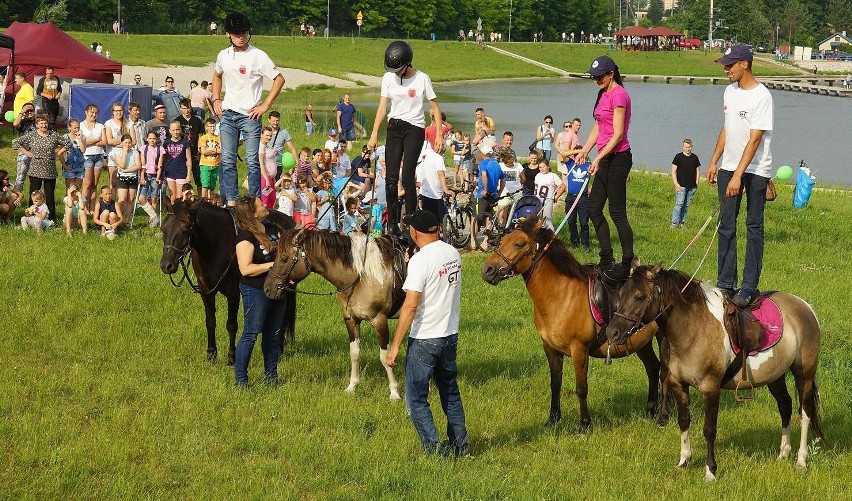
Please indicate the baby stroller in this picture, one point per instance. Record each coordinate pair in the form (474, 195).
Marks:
(524, 208)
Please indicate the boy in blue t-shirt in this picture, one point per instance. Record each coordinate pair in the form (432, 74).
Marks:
(578, 188)
(326, 217)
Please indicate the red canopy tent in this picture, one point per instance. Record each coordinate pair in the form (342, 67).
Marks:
(641, 38)
(40, 45)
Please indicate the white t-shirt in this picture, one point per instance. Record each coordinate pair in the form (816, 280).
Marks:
(427, 173)
(242, 75)
(747, 110)
(330, 144)
(129, 160)
(115, 128)
(546, 185)
(343, 164)
(95, 133)
(435, 272)
(379, 189)
(406, 99)
(285, 204)
(512, 177)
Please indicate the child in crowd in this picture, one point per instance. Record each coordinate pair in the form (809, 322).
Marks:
(350, 219)
(186, 194)
(8, 197)
(343, 167)
(374, 225)
(325, 213)
(331, 143)
(458, 153)
(303, 208)
(286, 194)
(548, 188)
(210, 147)
(268, 167)
(177, 161)
(108, 214)
(35, 215)
(467, 160)
(75, 210)
(73, 169)
(303, 164)
(215, 200)
(151, 155)
(575, 180)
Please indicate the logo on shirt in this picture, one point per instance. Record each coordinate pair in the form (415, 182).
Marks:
(242, 70)
(744, 115)
(412, 93)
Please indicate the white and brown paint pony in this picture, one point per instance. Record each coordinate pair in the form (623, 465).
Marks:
(363, 273)
(698, 352)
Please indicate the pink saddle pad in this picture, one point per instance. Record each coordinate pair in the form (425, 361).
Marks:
(769, 316)
(596, 313)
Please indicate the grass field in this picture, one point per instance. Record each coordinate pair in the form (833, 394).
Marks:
(106, 393)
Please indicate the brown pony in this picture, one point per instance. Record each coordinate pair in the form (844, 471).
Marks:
(362, 271)
(559, 288)
(698, 353)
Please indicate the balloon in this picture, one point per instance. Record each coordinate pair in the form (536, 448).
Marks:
(784, 172)
(9, 116)
(288, 161)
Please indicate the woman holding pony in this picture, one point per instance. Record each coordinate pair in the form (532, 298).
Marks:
(256, 245)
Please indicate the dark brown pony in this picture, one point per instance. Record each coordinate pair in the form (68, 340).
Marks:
(698, 353)
(361, 269)
(559, 288)
(207, 235)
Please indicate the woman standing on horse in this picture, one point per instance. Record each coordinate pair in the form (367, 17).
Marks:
(256, 244)
(612, 165)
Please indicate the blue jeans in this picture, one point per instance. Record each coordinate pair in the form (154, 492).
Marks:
(682, 200)
(580, 212)
(230, 127)
(260, 314)
(428, 358)
(729, 208)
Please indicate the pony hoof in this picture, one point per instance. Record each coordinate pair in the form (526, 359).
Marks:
(211, 357)
(683, 464)
(662, 421)
(395, 397)
(350, 389)
(801, 465)
(785, 453)
(709, 476)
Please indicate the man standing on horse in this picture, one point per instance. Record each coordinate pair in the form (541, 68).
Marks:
(240, 69)
(743, 146)
(431, 309)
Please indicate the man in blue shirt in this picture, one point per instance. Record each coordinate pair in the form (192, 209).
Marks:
(490, 181)
(346, 120)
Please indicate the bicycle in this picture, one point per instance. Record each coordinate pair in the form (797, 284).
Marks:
(494, 231)
(455, 228)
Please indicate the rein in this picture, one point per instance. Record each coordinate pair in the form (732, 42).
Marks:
(537, 256)
(182, 261)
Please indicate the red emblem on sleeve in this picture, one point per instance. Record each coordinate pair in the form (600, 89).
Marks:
(412, 93)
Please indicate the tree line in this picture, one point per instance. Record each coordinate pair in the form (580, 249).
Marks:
(800, 22)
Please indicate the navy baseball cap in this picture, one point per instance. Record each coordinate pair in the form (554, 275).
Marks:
(737, 52)
(601, 66)
(424, 221)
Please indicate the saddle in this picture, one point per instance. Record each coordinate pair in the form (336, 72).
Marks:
(751, 330)
(400, 272)
(603, 302)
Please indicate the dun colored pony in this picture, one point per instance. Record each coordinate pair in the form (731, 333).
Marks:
(697, 353)
(207, 234)
(559, 288)
(365, 279)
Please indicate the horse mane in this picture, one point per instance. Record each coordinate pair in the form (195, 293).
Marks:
(558, 252)
(348, 250)
(671, 282)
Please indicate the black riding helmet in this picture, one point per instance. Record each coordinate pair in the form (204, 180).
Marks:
(237, 22)
(398, 55)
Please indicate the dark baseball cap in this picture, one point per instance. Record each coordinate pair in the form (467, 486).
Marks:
(601, 66)
(737, 52)
(424, 221)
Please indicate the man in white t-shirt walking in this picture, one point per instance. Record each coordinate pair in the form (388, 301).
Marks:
(432, 180)
(743, 146)
(240, 69)
(431, 309)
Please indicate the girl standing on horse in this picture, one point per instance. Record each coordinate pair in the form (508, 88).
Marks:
(612, 165)
(256, 244)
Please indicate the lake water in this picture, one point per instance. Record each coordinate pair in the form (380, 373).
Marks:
(810, 127)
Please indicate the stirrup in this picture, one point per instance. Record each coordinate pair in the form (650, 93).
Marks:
(748, 391)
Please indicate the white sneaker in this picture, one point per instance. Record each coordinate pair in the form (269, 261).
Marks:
(47, 223)
(155, 221)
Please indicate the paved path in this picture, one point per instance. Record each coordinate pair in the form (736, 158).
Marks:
(548, 67)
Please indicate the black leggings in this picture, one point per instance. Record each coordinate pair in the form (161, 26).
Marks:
(403, 146)
(49, 198)
(610, 185)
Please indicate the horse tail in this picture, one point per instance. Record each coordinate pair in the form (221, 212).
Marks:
(816, 424)
(288, 329)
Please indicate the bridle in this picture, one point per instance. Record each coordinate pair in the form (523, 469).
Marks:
(286, 283)
(637, 322)
(183, 253)
(510, 270)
